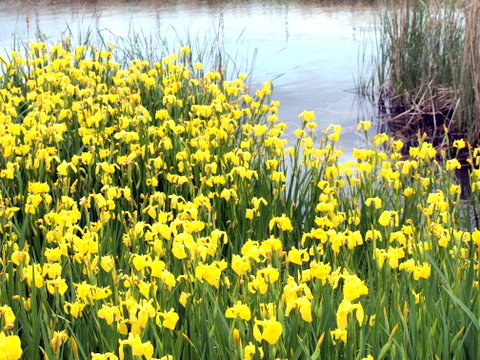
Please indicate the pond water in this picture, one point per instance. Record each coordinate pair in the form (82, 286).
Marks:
(309, 49)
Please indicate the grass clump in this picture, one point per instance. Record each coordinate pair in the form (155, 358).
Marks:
(426, 72)
(156, 211)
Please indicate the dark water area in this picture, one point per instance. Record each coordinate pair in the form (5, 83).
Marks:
(310, 49)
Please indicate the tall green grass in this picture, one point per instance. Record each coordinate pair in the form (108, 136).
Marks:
(426, 70)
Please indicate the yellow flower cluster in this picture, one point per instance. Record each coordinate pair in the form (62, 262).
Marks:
(148, 210)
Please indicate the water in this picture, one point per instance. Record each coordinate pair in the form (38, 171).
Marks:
(309, 49)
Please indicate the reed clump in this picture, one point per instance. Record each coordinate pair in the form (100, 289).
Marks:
(426, 75)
